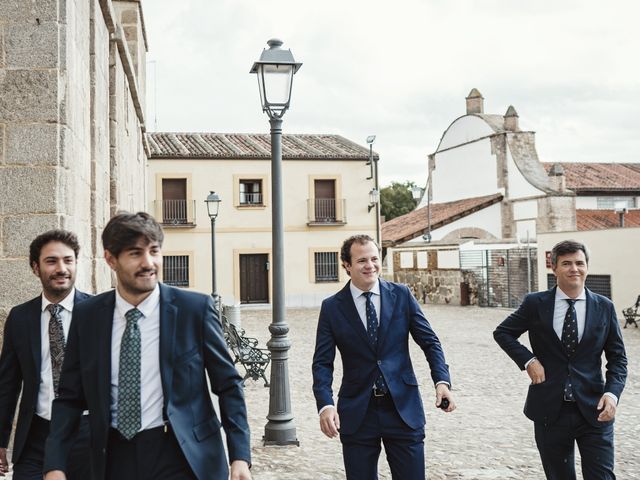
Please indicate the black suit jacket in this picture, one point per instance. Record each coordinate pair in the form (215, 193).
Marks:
(20, 364)
(192, 347)
(601, 334)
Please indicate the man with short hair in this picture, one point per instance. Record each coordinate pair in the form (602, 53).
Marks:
(32, 352)
(139, 358)
(369, 321)
(569, 401)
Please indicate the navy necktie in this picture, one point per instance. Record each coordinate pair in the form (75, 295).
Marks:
(372, 334)
(570, 342)
(56, 344)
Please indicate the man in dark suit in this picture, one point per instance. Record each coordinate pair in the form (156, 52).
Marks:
(569, 400)
(379, 398)
(32, 353)
(138, 358)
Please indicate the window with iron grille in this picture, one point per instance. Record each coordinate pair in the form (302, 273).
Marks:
(596, 283)
(251, 192)
(175, 270)
(326, 265)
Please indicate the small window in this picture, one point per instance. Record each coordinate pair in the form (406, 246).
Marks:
(326, 265)
(175, 270)
(611, 203)
(251, 192)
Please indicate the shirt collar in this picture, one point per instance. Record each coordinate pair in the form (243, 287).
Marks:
(560, 295)
(356, 292)
(146, 307)
(66, 303)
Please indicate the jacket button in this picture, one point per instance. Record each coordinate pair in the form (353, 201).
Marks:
(379, 362)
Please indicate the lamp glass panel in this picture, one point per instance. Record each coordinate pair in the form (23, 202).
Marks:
(277, 83)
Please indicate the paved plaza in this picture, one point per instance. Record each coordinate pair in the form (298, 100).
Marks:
(487, 437)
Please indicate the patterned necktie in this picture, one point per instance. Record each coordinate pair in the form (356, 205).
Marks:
(129, 415)
(56, 344)
(372, 333)
(570, 341)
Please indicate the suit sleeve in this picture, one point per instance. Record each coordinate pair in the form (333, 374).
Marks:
(68, 407)
(226, 383)
(10, 382)
(427, 339)
(323, 358)
(614, 351)
(508, 332)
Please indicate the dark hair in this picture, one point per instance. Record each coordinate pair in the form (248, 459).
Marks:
(345, 251)
(125, 228)
(57, 235)
(565, 247)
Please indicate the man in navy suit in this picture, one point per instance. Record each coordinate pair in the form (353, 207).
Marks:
(139, 358)
(370, 321)
(32, 352)
(569, 401)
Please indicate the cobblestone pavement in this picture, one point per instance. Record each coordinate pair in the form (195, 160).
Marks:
(487, 437)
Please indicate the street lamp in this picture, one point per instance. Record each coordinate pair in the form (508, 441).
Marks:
(213, 205)
(374, 198)
(416, 193)
(275, 71)
(374, 174)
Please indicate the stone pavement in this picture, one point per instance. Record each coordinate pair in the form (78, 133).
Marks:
(487, 437)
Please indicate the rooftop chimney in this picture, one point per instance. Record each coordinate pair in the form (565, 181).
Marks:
(475, 102)
(511, 119)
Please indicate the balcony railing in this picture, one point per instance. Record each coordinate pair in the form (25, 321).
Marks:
(327, 211)
(251, 198)
(176, 212)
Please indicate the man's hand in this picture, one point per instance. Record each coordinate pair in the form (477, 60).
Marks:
(55, 475)
(442, 391)
(330, 422)
(239, 470)
(4, 465)
(536, 372)
(608, 407)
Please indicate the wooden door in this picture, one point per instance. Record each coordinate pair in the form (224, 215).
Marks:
(254, 278)
(325, 200)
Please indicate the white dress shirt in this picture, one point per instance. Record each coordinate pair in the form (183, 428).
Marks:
(361, 302)
(151, 396)
(560, 311)
(45, 389)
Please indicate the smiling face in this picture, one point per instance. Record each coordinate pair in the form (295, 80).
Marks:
(137, 268)
(56, 269)
(571, 272)
(364, 267)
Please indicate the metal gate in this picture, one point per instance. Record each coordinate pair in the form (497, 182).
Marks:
(502, 277)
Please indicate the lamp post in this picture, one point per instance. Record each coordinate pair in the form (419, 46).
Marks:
(213, 205)
(374, 174)
(275, 71)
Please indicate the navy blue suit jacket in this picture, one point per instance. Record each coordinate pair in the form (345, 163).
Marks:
(20, 365)
(192, 348)
(339, 326)
(601, 334)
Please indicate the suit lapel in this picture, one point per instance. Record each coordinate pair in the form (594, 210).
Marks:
(547, 309)
(591, 318)
(104, 327)
(350, 313)
(168, 320)
(35, 332)
(387, 307)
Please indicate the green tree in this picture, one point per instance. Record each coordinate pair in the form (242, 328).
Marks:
(396, 200)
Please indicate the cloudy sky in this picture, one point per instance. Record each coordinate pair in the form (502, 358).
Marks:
(401, 70)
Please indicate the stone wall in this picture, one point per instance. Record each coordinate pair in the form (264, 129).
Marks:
(432, 286)
(72, 147)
